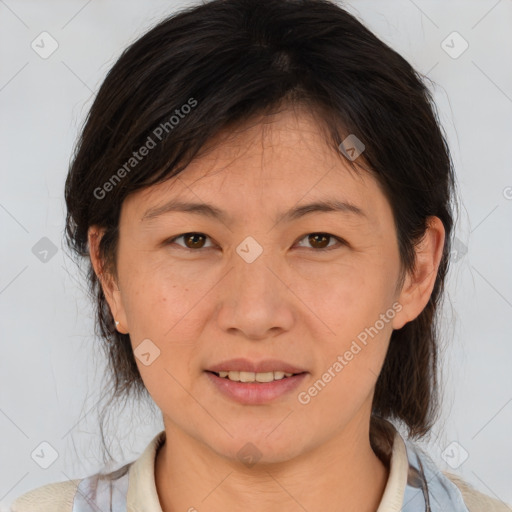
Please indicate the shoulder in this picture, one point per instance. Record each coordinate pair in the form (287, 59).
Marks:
(475, 500)
(100, 491)
(54, 497)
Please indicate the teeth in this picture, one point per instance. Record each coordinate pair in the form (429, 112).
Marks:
(254, 377)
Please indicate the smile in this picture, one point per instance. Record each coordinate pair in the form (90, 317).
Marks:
(250, 391)
(254, 377)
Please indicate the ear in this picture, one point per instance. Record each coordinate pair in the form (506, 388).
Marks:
(108, 281)
(419, 283)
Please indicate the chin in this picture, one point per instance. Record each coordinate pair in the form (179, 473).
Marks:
(251, 449)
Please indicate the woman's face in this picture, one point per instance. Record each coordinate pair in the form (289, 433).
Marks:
(251, 284)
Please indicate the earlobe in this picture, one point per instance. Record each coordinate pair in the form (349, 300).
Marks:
(420, 282)
(108, 283)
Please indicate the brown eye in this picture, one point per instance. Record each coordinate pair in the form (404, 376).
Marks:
(191, 240)
(320, 241)
(194, 239)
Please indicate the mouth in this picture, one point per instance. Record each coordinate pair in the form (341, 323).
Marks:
(255, 388)
(254, 377)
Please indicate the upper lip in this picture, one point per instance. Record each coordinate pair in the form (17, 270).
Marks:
(244, 365)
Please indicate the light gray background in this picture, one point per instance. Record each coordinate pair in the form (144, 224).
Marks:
(49, 373)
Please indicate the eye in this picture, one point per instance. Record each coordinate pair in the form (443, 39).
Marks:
(192, 240)
(320, 241)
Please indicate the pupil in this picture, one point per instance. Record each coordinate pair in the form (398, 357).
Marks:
(315, 239)
(194, 236)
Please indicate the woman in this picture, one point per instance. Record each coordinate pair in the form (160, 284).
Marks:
(263, 192)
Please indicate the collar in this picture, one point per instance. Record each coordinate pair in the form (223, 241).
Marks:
(142, 493)
(393, 496)
(414, 484)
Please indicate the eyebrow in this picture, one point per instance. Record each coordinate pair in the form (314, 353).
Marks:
(209, 210)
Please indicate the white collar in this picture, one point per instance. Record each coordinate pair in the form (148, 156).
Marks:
(142, 493)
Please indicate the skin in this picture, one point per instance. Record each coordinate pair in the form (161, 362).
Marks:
(295, 302)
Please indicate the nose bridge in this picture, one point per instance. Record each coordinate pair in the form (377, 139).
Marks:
(252, 274)
(254, 299)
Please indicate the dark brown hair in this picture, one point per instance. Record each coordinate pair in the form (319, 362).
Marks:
(214, 66)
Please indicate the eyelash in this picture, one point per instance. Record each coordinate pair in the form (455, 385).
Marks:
(340, 240)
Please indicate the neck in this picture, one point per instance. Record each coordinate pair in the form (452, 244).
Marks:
(341, 474)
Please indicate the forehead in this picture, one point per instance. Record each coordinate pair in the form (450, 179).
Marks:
(265, 167)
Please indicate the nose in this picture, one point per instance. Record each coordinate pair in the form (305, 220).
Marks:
(255, 301)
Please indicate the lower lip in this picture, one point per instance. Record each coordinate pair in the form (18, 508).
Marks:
(254, 393)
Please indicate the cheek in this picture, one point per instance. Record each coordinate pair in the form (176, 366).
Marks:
(162, 311)
(160, 299)
(349, 362)
(351, 296)
(162, 322)
(357, 308)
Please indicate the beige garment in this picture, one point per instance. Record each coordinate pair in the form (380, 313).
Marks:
(142, 494)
